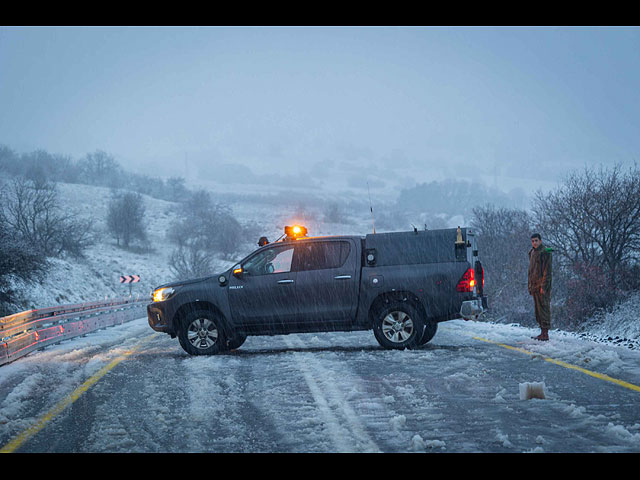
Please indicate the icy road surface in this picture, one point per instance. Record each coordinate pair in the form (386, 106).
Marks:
(330, 392)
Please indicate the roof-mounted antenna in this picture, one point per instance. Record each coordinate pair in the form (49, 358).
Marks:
(371, 208)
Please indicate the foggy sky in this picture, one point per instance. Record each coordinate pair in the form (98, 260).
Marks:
(393, 105)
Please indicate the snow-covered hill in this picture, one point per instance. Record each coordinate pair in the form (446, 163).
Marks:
(97, 276)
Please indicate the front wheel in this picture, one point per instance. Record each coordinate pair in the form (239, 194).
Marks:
(398, 326)
(201, 333)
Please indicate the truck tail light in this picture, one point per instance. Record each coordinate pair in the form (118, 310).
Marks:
(467, 282)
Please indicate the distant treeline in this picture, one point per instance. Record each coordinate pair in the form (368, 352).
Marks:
(457, 197)
(97, 168)
(421, 203)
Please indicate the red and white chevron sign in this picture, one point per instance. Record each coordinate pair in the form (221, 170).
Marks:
(129, 278)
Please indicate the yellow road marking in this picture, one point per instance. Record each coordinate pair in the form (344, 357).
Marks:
(600, 376)
(17, 442)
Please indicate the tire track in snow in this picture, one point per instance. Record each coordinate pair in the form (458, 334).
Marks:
(342, 423)
(214, 402)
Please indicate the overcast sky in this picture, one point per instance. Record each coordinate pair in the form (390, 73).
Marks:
(392, 105)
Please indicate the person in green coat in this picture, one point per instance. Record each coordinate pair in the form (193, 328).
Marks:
(540, 284)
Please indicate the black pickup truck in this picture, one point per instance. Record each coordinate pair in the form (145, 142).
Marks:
(400, 285)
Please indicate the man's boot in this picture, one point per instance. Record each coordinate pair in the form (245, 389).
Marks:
(544, 335)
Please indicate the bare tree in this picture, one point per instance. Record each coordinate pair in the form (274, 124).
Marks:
(335, 212)
(206, 225)
(593, 219)
(125, 217)
(8, 159)
(190, 261)
(17, 260)
(176, 189)
(41, 166)
(31, 210)
(100, 168)
(504, 240)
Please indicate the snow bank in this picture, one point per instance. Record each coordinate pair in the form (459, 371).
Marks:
(621, 325)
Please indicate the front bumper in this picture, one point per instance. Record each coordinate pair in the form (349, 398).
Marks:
(472, 309)
(158, 319)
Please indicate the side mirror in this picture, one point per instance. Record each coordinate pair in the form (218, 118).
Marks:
(237, 272)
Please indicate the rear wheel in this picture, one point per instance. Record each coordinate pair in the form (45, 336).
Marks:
(398, 326)
(201, 333)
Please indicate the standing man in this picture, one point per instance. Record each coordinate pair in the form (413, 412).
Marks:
(540, 284)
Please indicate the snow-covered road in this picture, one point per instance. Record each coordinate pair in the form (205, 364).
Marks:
(330, 392)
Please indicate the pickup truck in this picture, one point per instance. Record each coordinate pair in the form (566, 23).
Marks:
(398, 284)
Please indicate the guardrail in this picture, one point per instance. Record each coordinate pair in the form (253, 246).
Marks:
(24, 332)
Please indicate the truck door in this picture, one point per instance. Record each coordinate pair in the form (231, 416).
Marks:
(263, 298)
(326, 282)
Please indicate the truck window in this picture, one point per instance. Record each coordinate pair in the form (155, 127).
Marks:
(321, 255)
(272, 260)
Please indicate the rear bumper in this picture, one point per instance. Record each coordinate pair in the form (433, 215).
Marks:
(472, 309)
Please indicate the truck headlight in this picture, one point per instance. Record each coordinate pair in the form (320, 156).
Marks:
(161, 294)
